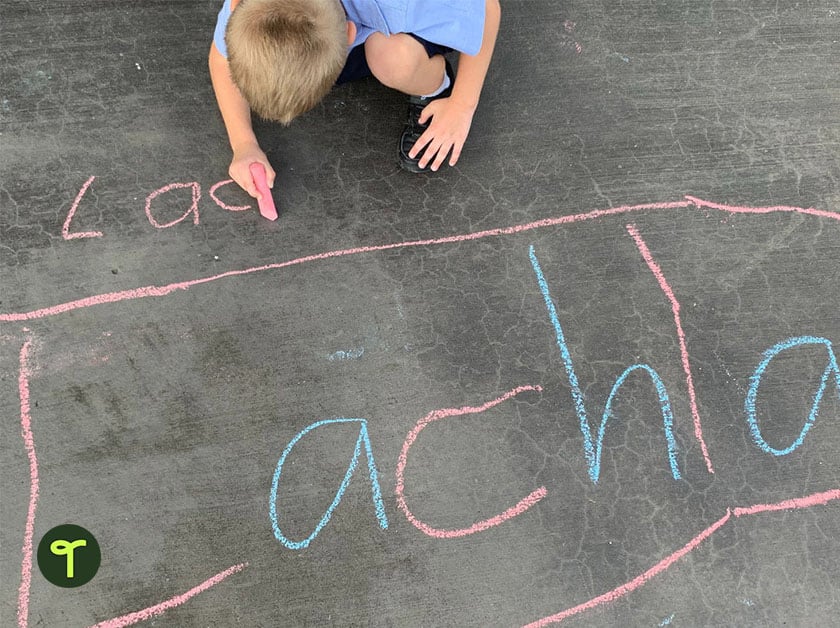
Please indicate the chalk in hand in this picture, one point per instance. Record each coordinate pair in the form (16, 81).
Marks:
(267, 209)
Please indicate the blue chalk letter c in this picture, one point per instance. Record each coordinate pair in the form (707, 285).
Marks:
(363, 439)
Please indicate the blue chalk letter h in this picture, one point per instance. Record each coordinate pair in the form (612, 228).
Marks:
(592, 451)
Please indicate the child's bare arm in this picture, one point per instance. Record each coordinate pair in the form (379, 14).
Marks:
(472, 69)
(237, 118)
(452, 117)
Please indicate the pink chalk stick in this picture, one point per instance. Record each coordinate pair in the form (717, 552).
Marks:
(267, 209)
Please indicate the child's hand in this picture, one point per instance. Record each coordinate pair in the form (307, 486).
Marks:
(448, 130)
(239, 169)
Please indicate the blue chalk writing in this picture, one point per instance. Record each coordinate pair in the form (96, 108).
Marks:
(755, 381)
(667, 621)
(363, 438)
(350, 354)
(592, 451)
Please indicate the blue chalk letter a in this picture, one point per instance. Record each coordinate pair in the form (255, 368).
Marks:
(363, 439)
(752, 394)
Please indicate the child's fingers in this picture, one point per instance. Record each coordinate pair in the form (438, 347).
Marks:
(456, 154)
(244, 180)
(248, 185)
(443, 151)
(439, 152)
(431, 152)
(420, 144)
(429, 111)
(269, 174)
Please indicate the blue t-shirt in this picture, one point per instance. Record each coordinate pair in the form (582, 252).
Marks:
(458, 24)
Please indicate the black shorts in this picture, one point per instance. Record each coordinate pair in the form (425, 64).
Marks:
(357, 66)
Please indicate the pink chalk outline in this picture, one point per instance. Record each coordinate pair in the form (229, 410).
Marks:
(29, 442)
(159, 291)
(193, 208)
(686, 364)
(24, 376)
(65, 229)
(230, 208)
(158, 609)
(816, 499)
(518, 509)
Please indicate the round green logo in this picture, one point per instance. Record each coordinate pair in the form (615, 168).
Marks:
(68, 556)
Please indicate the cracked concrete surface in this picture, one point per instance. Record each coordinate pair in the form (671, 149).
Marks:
(158, 419)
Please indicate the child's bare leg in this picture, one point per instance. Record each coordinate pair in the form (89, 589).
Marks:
(401, 62)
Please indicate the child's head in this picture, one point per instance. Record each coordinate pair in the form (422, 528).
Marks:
(285, 55)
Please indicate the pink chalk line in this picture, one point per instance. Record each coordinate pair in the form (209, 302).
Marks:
(159, 291)
(158, 609)
(816, 499)
(192, 209)
(686, 364)
(636, 582)
(740, 209)
(436, 415)
(231, 208)
(65, 229)
(25, 374)
(29, 442)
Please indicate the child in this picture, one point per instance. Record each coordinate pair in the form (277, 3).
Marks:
(280, 57)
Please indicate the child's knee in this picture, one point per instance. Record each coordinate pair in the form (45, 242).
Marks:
(394, 59)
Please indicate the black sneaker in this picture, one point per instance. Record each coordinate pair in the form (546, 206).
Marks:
(413, 129)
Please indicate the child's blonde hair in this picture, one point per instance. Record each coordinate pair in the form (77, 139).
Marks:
(285, 55)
